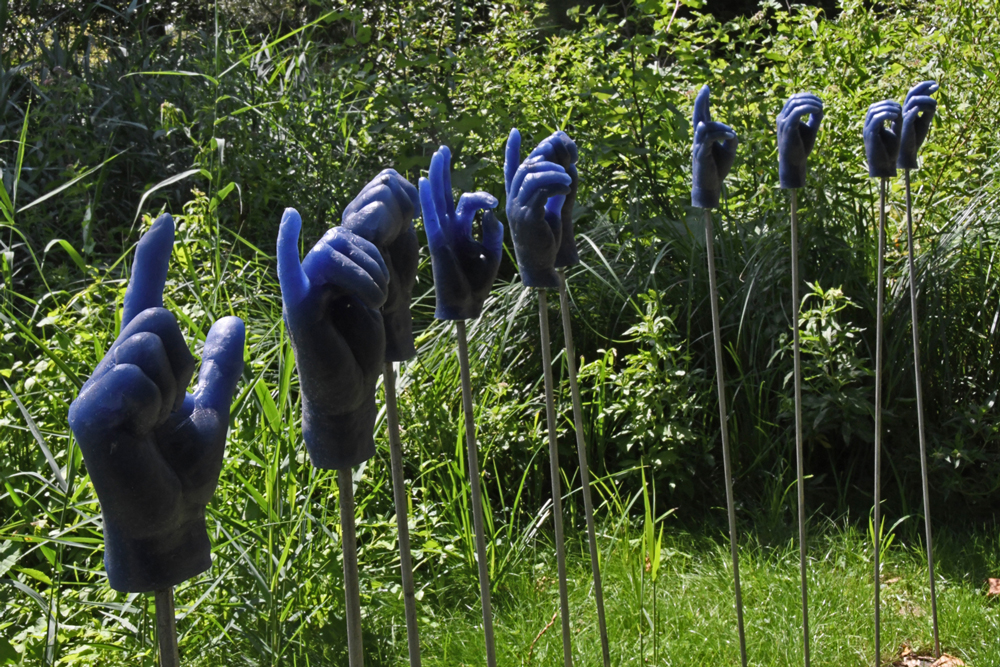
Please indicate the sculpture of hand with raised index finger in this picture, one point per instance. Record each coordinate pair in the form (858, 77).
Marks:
(918, 112)
(464, 269)
(382, 213)
(535, 197)
(331, 307)
(712, 154)
(881, 142)
(154, 451)
(797, 138)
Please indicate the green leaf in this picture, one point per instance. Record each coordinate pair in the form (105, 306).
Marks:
(9, 554)
(267, 405)
(34, 574)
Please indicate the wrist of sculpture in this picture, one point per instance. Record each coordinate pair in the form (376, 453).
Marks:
(567, 255)
(881, 171)
(543, 276)
(467, 310)
(705, 198)
(398, 335)
(791, 177)
(339, 441)
(907, 160)
(155, 562)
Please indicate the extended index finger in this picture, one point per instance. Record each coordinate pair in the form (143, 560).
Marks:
(149, 271)
(702, 111)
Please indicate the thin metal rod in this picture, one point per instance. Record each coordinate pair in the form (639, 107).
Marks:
(799, 462)
(550, 419)
(477, 494)
(402, 513)
(166, 628)
(877, 526)
(352, 587)
(581, 450)
(920, 414)
(723, 412)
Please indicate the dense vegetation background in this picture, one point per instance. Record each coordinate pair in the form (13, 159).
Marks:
(226, 113)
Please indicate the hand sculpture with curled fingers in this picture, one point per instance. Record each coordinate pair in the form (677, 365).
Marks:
(464, 269)
(918, 112)
(559, 149)
(712, 154)
(153, 450)
(536, 190)
(331, 307)
(382, 214)
(797, 138)
(881, 142)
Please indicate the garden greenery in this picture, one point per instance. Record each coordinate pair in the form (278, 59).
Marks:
(225, 115)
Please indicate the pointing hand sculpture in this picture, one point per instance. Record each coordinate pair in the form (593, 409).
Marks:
(382, 214)
(154, 451)
(331, 308)
(535, 208)
(918, 111)
(464, 269)
(712, 155)
(882, 143)
(797, 138)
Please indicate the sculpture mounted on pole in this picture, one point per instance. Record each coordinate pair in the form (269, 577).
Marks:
(153, 450)
(464, 271)
(918, 112)
(331, 307)
(712, 156)
(881, 151)
(796, 139)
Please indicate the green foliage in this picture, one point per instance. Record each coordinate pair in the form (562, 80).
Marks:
(650, 409)
(229, 115)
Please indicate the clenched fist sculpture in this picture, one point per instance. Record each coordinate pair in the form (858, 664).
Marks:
(918, 112)
(464, 269)
(537, 191)
(881, 142)
(153, 450)
(797, 138)
(331, 307)
(382, 213)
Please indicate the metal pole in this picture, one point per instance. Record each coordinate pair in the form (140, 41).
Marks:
(550, 417)
(920, 413)
(877, 527)
(581, 450)
(799, 464)
(477, 496)
(402, 513)
(166, 628)
(726, 463)
(352, 587)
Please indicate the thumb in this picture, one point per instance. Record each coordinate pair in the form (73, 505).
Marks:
(492, 236)
(291, 277)
(221, 365)
(512, 158)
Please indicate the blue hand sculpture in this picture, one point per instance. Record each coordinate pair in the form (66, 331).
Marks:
(154, 451)
(561, 150)
(712, 155)
(382, 214)
(535, 219)
(464, 269)
(796, 138)
(331, 306)
(918, 111)
(882, 143)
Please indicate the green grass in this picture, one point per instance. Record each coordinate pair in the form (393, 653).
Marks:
(696, 620)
